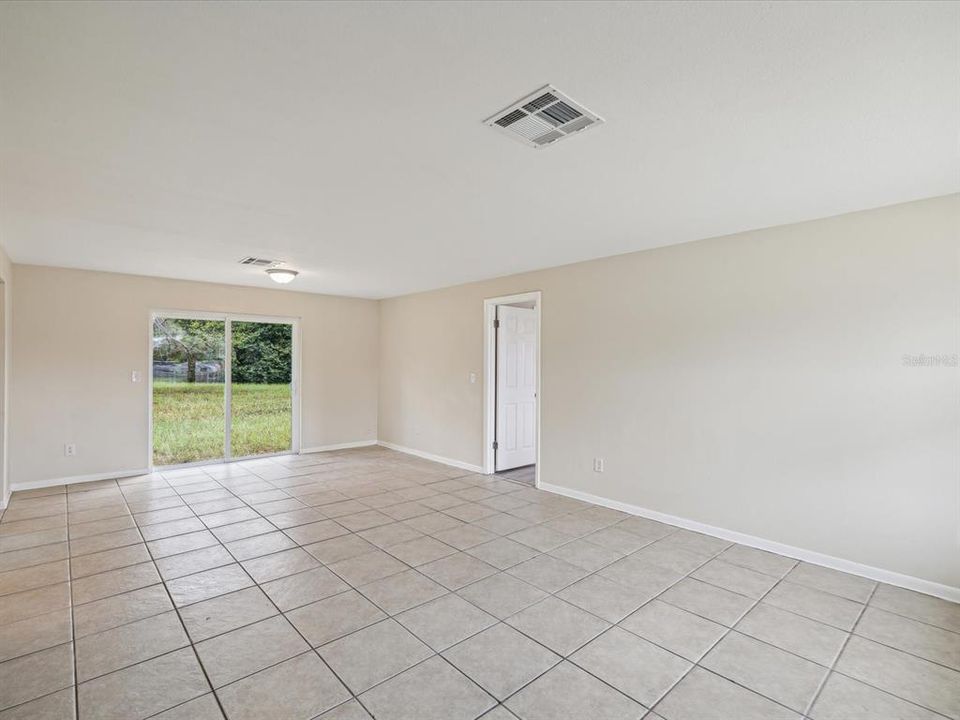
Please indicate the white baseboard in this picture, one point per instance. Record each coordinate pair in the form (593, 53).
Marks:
(5, 500)
(74, 479)
(886, 576)
(435, 458)
(338, 446)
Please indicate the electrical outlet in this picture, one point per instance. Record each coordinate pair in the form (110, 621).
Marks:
(135, 376)
(70, 449)
(473, 378)
(598, 464)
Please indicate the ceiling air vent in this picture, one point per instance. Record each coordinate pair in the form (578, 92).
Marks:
(256, 262)
(543, 117)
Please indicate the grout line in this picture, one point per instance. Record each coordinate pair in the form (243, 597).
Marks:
(279, 614)
(73, 621)
(359, 499)
(186, 633)
(129, 622)
(836, 659)
(388, 616)
(730, 629)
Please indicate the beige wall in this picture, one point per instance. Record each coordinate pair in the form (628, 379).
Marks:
(78, 335)
(753, 382)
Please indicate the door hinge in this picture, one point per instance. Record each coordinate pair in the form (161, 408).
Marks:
(496, 445)
(496, 324)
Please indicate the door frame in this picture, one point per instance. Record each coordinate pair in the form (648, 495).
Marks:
(228, 319)
(5, 327)
(490, 374)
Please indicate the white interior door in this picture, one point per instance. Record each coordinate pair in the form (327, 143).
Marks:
(516, 387)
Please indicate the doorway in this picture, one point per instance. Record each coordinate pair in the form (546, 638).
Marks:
(222, 387)
(512, 387)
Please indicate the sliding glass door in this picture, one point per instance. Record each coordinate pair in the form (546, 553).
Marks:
(261, 371)
(223, 388)
(189, 414)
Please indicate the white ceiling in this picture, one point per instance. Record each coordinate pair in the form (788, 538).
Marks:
(175, 138)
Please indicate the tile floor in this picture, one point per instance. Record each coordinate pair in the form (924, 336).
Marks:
(526, 474)
(369, 583)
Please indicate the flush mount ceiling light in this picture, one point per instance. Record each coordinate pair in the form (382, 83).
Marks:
(282, 275)
(543, 117)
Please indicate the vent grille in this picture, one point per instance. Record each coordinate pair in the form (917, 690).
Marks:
(511, 118)
(540, 102)
(543, 117)
(560, 113)
(530, 127)
(257, 262)
(577, 125)
(548, 138)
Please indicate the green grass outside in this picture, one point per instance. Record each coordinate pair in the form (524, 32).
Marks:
(188, 421)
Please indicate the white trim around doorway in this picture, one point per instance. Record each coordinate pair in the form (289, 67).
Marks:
(227, 319)
(490, 374)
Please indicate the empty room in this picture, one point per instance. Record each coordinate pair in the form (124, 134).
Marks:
(474, 360)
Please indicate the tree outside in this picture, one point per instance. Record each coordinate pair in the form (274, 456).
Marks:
(180, 345)
(262, 353)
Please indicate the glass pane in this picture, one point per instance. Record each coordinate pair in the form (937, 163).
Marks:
(189, 421)
(262, 397)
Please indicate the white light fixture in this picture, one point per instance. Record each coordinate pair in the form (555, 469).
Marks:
(282, 275)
